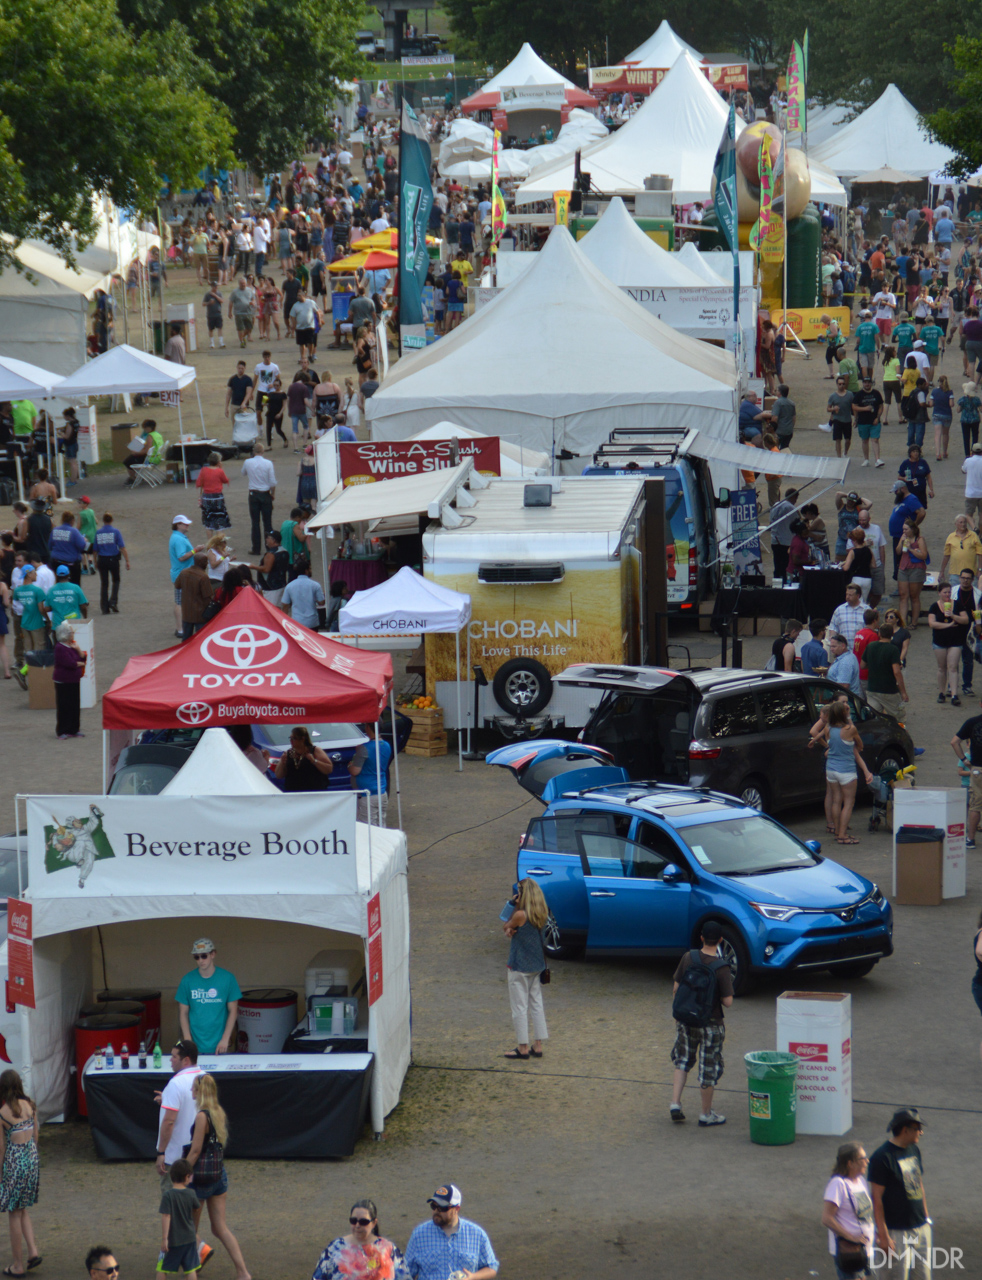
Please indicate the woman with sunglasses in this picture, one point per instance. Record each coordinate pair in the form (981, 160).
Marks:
(362, 1254)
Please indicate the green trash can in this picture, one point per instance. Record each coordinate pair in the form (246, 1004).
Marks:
(771, 1079)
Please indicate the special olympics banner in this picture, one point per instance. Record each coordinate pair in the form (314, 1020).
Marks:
(415, 203)
(82, 846)
(371, 460)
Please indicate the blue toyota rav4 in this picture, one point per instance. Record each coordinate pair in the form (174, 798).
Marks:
(638, 868)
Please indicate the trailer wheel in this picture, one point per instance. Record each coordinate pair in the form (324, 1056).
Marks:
(522, 687)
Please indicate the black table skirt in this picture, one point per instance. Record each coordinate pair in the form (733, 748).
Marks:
(274, 1115)
(820, 592)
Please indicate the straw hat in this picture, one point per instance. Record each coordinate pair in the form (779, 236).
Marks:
(969, 388)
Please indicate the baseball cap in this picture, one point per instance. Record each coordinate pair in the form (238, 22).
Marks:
(853, 497)
(918, 343)
(977, 448)
(905, 1116)
(447, 1197)
(86, 501)
(866, 312)
(897, 486)
(202, 947)
(181, 520)
(62, 571)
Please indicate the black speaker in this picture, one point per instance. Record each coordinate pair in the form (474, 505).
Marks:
(575, 201)
(583, 182)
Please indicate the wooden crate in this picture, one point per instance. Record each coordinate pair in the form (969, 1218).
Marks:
(435, 746)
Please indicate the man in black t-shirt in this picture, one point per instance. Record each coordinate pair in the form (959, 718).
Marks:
(896, 1178)
(867, 413)
(782, 650)
(239, 391)
(704, 1043)
(971, 732)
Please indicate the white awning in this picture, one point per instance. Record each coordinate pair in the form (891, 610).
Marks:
(801, 466)
(405, 496)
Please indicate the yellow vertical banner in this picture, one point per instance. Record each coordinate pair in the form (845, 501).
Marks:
(561, 200)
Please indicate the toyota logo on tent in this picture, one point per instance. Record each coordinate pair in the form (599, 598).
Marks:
(244, 648)
(304, 639)
(194, 713)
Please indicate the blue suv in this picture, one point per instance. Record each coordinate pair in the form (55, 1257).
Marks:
(638, 868)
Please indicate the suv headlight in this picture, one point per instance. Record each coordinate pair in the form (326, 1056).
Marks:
(876, 896)
(770, 911)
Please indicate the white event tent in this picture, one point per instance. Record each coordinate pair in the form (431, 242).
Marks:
(515, 459)
(409, 604)
(676, 133)
(662, 49)
(124, 370)
(663, 284)
(268, 933)
(887, 133)
(558, 360)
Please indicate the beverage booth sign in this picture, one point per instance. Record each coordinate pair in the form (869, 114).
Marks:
(94, 846)
(371, 460)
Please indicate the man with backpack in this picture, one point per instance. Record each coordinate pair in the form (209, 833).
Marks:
(703, 986)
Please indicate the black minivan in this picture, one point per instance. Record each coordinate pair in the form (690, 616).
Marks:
(742, 732)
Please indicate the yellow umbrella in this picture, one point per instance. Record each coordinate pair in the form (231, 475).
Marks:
(380, 240)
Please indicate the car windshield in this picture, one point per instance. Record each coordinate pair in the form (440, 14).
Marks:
(745, 847)
(322, 734)
(141, 780)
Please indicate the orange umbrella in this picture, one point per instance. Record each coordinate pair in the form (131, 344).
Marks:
(379, 260)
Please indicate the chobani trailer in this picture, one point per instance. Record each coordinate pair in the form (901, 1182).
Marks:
(561, 571)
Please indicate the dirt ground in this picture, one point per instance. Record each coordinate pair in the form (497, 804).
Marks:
(570, 1163)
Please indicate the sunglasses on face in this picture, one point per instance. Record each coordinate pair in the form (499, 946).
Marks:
(361, 1222)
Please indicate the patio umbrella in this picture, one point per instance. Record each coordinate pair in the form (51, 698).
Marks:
(379, 260)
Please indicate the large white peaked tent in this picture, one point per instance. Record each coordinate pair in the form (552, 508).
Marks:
(676, 133)
(887, 133)
(618, 247)
(557, 360)
(526, 68)
(217, 767)
(661, 49)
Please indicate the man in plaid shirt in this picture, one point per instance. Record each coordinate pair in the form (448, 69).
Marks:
(449, 1244)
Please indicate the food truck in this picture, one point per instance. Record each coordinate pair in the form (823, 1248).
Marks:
(559, 571)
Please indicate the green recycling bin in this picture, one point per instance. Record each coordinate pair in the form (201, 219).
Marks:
(771, 1080)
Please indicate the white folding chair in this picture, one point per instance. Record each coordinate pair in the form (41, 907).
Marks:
(148, 473)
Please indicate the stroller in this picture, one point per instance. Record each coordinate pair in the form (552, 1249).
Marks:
(245, 431)
(881, 789)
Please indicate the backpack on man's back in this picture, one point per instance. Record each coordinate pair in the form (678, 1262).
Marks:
(696, 996)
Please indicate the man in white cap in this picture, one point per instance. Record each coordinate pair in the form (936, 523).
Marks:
(449, 1244)
(208, 1001)
(181, 553)
(921, 358)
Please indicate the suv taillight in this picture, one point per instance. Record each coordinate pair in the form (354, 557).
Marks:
(698, 751)
(693, 567)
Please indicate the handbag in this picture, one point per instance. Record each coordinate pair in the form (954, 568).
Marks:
(545, 977)
(850, 1257)
(210, 1164)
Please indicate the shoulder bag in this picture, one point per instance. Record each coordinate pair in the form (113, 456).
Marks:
(850, 1257)
(210, 1164)
(545, 977)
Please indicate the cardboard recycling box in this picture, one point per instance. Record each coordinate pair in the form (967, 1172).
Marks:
(920, 866)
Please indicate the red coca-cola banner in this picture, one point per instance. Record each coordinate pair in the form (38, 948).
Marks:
(20, 953)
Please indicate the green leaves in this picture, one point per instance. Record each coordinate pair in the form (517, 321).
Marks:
(86, 108)
(960, 126)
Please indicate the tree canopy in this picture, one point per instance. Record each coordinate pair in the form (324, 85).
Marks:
(960, 126)
(87, 107)
(272, 65)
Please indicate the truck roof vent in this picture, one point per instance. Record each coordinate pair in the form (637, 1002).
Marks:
(538, 495)
(511, 573)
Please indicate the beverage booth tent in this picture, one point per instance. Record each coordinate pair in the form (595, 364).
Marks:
(131, 920)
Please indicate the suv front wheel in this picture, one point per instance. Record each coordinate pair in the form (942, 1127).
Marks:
(733, 950)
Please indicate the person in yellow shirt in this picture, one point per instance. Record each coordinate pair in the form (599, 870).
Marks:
(962, 550)
(908, 379)
(461, 267)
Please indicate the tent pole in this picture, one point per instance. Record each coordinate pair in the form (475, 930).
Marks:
(105, 762)
(395, 754)
(180, 432)
(201, 411)
(470, 725)
(20, 477)
(61, 472)
(322, 539)
(460, 714)
(378, 782)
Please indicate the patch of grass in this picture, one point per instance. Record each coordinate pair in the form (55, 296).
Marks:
(396, 71)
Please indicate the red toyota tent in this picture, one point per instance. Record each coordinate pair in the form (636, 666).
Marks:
(249, 664)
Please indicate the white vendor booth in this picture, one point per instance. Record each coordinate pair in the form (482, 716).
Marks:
(293, 892)
(411, 604)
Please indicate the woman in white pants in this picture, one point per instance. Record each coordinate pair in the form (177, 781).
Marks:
(526, 963)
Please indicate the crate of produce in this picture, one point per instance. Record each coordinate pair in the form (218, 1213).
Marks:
(434, 746)
(428, 737)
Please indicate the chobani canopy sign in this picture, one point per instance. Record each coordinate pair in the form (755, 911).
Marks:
(93, 846)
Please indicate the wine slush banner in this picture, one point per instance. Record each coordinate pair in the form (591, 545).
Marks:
(415, 203)
(130, 846)
(371, 460)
